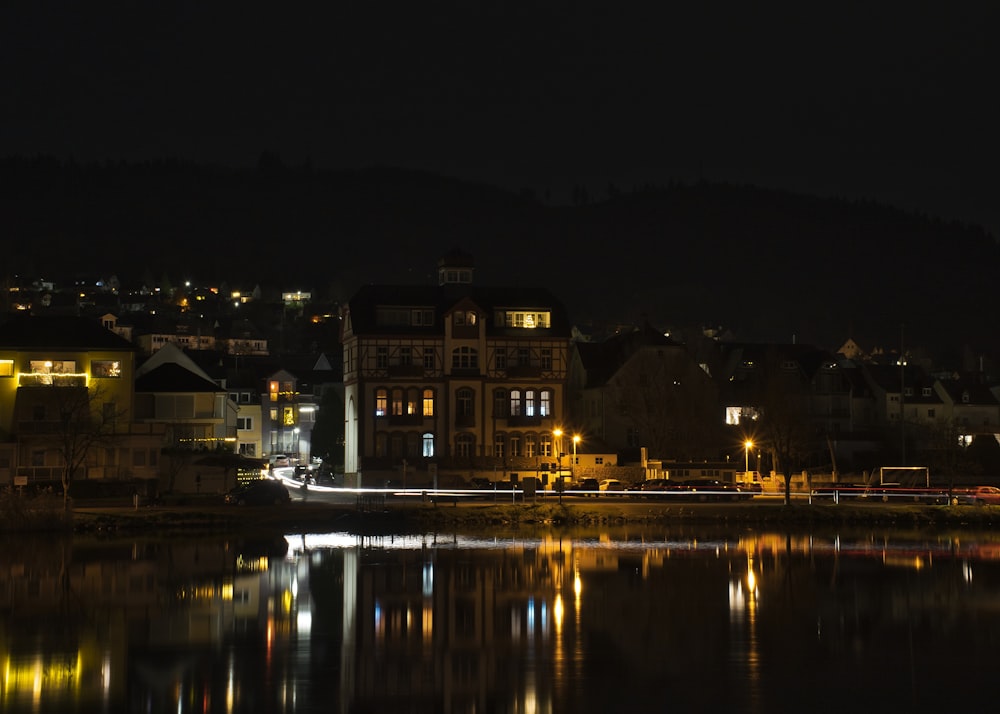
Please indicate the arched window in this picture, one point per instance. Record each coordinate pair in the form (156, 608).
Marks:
(464, 358)
(530, 442)
(500, 403)
(515, 402)
(412, 401)
(428, 445)
(465, 445)
(397, 402)
(545, 403)
(545, 443)
(464, 403)
(412, 444)
(381, 444)
(529, 402)
(381, 402)
(396, 446)
(514, 444)
(500, 445)
(428, 402)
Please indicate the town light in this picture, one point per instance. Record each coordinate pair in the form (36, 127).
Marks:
(747, 445)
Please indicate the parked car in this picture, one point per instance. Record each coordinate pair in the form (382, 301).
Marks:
(588, 486)
(262, 492)
(656, 487)
(979, 495)
(280, 460)
(611, 484)
(710, 489)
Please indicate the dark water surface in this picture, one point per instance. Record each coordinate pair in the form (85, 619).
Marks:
(643, 620)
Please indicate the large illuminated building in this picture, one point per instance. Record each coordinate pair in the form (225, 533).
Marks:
(453, 376)
(66, 381)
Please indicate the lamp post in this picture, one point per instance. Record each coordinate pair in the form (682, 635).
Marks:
(557, 433)
(747, 445)
(576, 440)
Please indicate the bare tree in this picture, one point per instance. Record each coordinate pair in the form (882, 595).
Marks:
(785, 427)
(85, 422)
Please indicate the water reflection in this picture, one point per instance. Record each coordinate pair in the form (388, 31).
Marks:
(628, 621)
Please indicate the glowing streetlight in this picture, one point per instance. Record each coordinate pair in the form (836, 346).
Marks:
(576, 440)
(747, 445)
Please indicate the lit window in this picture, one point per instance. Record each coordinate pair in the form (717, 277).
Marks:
(106, 368)
(428, 402)
(6, 368)
(428, 441)
(515, 402)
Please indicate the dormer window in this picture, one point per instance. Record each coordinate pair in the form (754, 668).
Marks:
(463, 318)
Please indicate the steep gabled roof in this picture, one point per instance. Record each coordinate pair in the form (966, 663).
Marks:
(65, 333)
(602, 360)
(172, 377)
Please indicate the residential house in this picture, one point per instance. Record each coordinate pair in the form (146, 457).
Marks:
(67, 382)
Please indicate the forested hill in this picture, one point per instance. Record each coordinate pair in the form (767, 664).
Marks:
(767, 265)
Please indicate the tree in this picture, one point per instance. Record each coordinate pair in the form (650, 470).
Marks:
(85, 422)
(785, 426)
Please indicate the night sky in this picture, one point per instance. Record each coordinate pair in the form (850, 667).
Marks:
(877, 100)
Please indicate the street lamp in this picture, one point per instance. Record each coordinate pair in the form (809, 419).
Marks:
(576, 440)
(747, 445)
(557, 433)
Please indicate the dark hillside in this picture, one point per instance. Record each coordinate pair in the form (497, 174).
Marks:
(771, 265)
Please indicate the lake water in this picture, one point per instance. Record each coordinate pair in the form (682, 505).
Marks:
(639, 620)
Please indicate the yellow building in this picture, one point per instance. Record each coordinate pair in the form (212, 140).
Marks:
(66, 393)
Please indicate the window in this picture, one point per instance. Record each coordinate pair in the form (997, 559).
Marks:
(422, 318)
(546, 359)
(106, 368)
(529, 402)
(413, 444)
(428, 359)
(499, 444)
(412, 401)
(465, 445)
(428, 402)
(523, 357)
(514, 443)
(500, 360)
(464, 403)
(381, 357)
(244, 423)
(515, 402)
(38, 457)
(545, 403)
(598, 460)
(462, 317)
(464, 358)
(405, 356)
(926, 392)
(272, 389)
(288, 416)
(528, 320)
(397, 402)
(529, 445)
(500, 403)
(428, 440)
(381, 402)
(6, 368)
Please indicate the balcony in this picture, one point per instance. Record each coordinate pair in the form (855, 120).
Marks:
(522, 371)
(51, 380)
(406, 370)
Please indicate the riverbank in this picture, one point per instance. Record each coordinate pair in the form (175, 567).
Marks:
(428, 517)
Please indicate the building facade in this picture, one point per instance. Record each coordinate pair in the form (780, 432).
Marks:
(452, 378)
